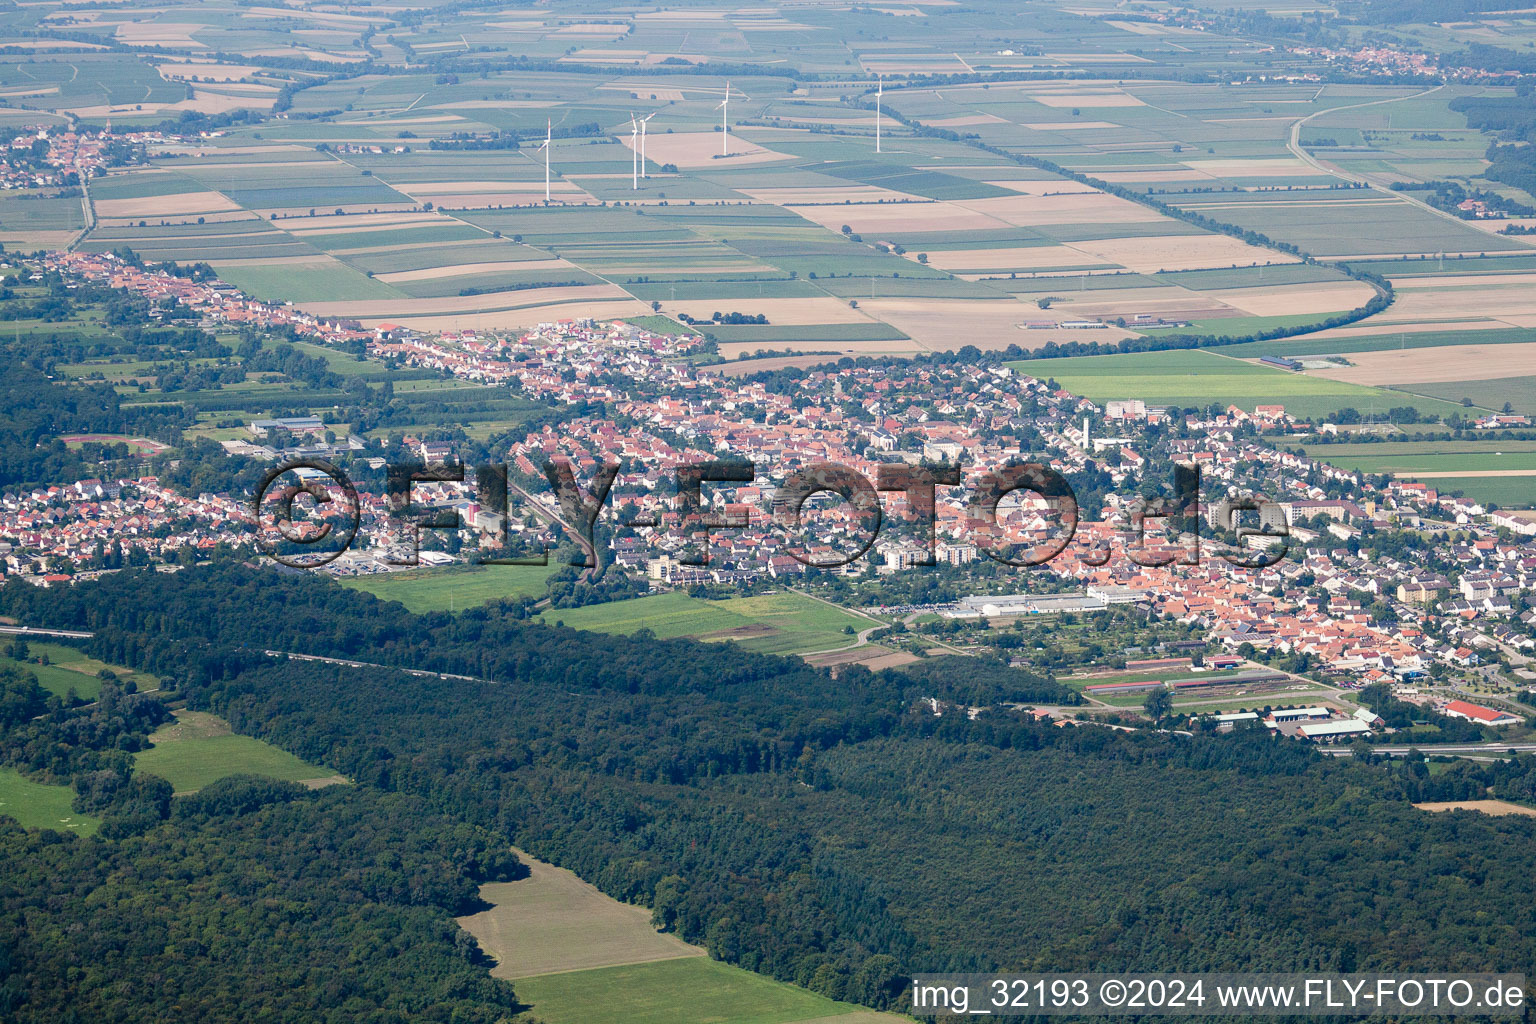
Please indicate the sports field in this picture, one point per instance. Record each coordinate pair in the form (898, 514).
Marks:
(35, 805)
(199, 748)
(781, 623)
(1197, 379)
(455, 587)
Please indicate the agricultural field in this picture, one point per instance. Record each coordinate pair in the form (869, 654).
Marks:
(1501, 472)
(35, 805)
(780, 623)
(578, 956)
(694, 990)
(199, 748)
(454, 588)
(552, 921)
(1198, 379)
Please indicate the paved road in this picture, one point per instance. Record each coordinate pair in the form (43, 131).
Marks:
(33, 631)
(1294, 145)
(1400, 749)
(422, 673)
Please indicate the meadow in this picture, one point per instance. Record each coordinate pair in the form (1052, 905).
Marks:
(35, 805)
(694, 990)
(780, 623)
(454, 587)
(578, 956)
(553, 921)
(199, 748)
(70, 669)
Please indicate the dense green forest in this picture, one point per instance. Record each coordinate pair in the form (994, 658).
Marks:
(834, 832)
(258, 900)
(250, 900)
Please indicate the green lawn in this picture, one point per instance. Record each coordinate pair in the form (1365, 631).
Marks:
(198, 749)
(35, 805)
(781, 623)
(692, 990)
(455, 587)
(1195, 378)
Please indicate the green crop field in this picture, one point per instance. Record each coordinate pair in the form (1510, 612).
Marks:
(1506, 492)
(1407, 465)
(299, 282)
(1297, 347)
(1518, 392)
(455, 587)
(199, 749)
(1198, 378)
(35, 805)
(782, 623)
(693, 990)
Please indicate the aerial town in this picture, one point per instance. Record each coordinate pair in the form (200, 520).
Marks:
(1350, 598)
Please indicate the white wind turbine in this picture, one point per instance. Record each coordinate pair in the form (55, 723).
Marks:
(549, 134)
(725, 121)
(645, 172)
(634, 154)
(879, 92)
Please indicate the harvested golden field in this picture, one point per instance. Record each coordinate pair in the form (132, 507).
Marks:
(462, 269)
(402, 310)
(1152, 177)
(702, 149)
(208, 71)
(857, 194)
(947, 324)
(1254, 167)
(1018, 258)
(1076, 208)
(967, 120)
(919, 216)
(160, 33)
(1485, 806)
(1048, 187)
(166, 206)
(1150, 254)
(1282, 300)
(1087, 99)
(1374, 326)
(330, 224)
(1439, 364)
(1514, 304)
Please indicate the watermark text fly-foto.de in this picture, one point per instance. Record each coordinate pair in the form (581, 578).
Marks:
(288, 534)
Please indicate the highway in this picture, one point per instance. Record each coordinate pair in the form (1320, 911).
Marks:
(1400, 749)
(32, 631)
